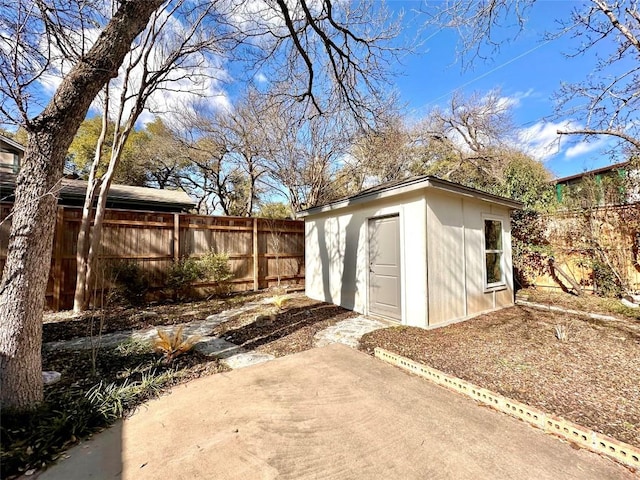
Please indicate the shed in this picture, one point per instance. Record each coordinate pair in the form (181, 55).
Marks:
(423, 252)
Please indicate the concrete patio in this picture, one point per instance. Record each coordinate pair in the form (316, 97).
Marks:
(329, 413)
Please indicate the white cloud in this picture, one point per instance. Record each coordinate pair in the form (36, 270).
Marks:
(261, 78)
(541, 140)
(585, 147)
(198, 76)
(515, 100)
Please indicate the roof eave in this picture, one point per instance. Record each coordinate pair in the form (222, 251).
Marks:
(13, 143)
(417, 184)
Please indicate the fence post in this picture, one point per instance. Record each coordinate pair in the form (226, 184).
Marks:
(57, 259)
(256, 270)
(176, 236)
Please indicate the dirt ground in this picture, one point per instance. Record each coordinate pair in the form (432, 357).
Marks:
(65, 325)
(291, 331)
(592, 378)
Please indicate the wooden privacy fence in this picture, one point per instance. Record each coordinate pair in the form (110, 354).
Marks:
(616, 230)
(262, 252)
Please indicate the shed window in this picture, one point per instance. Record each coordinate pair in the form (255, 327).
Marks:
(493, 253)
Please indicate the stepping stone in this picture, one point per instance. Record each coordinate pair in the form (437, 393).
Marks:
(217, 347)
(242, 360)
(49, 378)
(348, 332)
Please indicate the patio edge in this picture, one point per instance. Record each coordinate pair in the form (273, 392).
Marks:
(582, 436)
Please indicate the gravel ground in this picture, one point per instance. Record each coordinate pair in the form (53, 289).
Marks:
(591, 378)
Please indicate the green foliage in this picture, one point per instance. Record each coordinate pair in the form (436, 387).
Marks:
(132, 283)
(275, 210)
(78, 406)
(212, 267)
(30, 440)
(133, 346)
(83, 148)
(217, 270)
(605, 281)
(279, 301)
(527, 180)
(112, 400)
(182, 274)
(531, 248)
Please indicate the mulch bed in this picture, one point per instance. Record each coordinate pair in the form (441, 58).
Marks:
(593, 378)
(65, 326)
(292, 331)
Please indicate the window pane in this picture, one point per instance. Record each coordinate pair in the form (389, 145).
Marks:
(493, 235)
(494, 271)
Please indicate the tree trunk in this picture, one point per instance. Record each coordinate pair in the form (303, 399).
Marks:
(96, 231)
(26, 271)
(82, 294)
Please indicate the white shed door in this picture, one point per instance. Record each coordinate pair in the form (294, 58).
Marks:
(384, 268)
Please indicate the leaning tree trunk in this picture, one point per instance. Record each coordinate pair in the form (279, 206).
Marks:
(26, 271)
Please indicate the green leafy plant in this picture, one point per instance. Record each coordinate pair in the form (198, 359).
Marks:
(606, 283)
(131, 282)
(173, 345)
(182, 274)
(217, 270)
(133, 346)
(112, 400)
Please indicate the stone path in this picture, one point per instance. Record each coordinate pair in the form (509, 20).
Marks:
(346, 332)
(230, 354)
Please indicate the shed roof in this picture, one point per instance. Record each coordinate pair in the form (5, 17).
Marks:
(398, 187)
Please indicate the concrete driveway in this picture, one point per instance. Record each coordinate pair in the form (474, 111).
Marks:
(328, 413)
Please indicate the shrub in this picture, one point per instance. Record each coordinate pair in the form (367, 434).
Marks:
(217, 270)
(131, 282)
(182, 274)
(213, 267)
(605, 280)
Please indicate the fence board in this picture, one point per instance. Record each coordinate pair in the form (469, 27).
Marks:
(618, 237)
(261, 252)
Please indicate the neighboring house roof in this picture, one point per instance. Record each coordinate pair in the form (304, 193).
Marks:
(397, 187)
(72, 192)
(597, 171)
(12, 144)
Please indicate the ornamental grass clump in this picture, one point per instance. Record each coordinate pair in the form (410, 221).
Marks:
(173, 345)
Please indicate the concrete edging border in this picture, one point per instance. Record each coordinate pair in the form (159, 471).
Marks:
(582, 436)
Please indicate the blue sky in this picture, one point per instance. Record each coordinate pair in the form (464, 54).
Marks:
(528, 70)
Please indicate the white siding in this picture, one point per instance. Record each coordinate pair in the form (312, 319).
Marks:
(336, 255)
(456, 257)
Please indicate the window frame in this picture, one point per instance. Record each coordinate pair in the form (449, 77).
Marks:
(502, 283)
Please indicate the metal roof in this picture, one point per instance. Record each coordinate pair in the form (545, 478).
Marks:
(398, 187)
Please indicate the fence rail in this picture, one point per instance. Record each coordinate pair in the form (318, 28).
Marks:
(262, 252)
